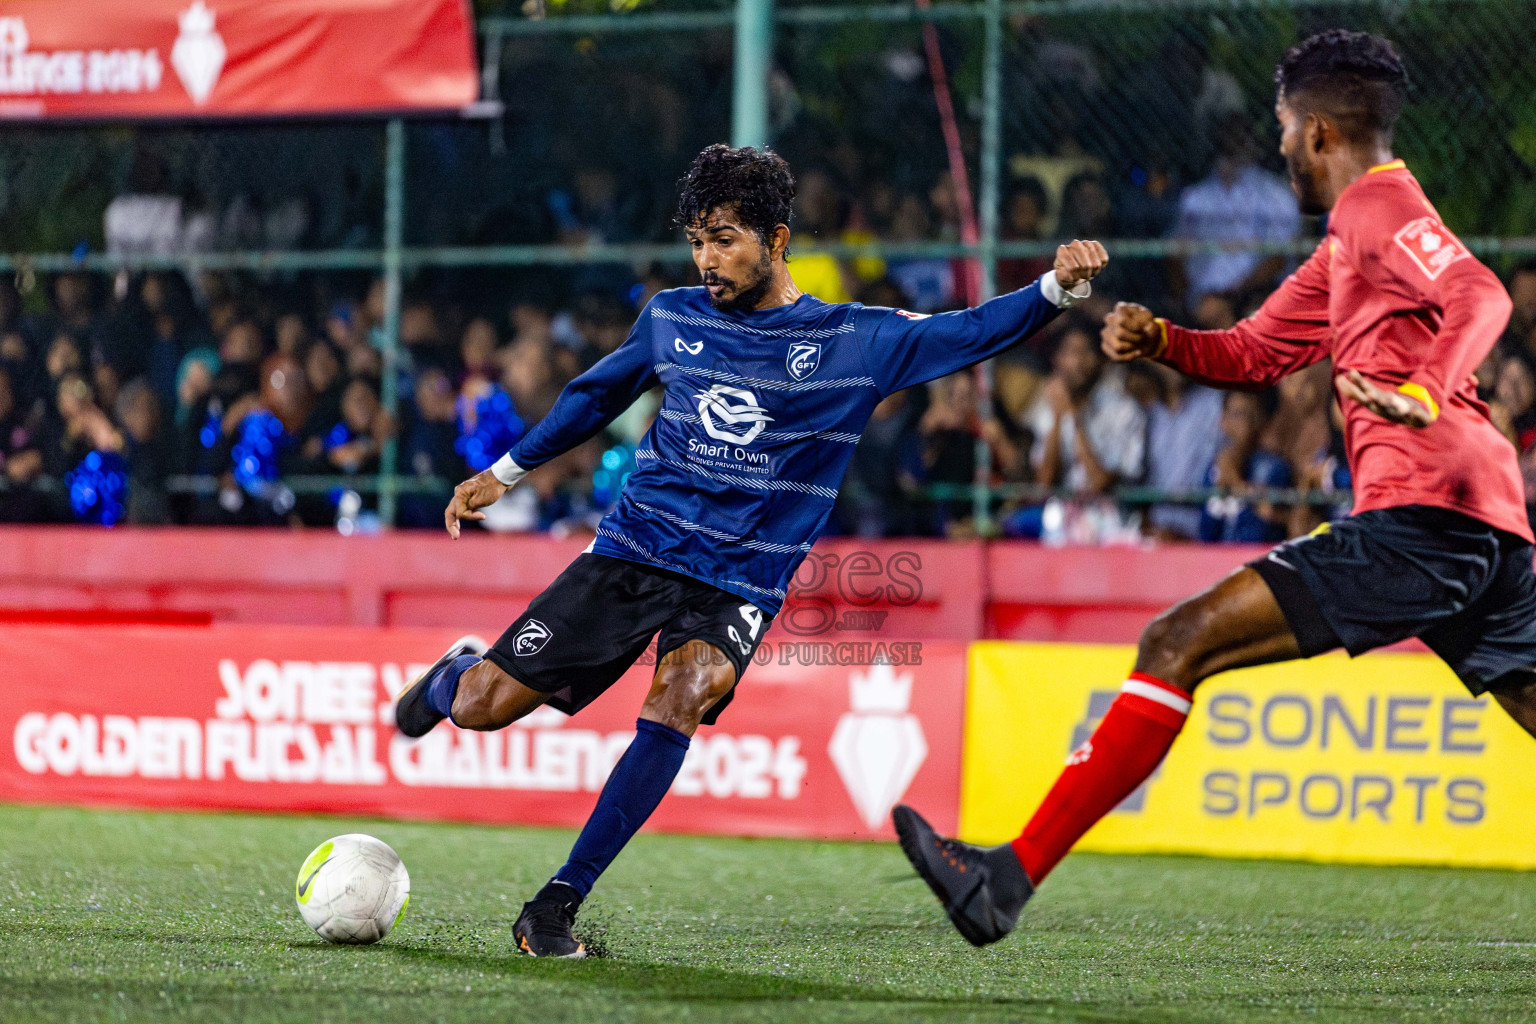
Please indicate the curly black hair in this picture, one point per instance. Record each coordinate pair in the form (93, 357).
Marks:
(1356, 78)
(756, 184)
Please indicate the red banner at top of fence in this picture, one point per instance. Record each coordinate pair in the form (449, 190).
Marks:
(233, 58)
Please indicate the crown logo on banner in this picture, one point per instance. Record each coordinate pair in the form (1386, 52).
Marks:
(199, 53)
(196, 20)
(880, 691)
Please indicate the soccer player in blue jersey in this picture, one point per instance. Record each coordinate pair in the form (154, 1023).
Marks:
(766, 391)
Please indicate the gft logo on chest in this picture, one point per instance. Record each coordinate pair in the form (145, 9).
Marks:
(802, 359)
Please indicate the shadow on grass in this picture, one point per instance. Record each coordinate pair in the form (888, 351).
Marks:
(625, 980)
(670, 982)
(662, 981)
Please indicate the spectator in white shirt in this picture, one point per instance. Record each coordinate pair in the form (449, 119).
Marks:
(1183, 433)
(146, 220)
(1239, 202)
(1089, 434)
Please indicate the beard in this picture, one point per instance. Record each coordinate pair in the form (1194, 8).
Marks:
(1304, 183)
(743, 296)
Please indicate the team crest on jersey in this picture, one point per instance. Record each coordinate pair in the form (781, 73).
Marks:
(531, 638)
(803, 358)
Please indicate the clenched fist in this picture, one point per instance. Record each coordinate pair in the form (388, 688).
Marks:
(1132, 332)
(1077, 262)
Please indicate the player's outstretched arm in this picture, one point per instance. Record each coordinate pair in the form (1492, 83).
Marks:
(1288, 332)
(902, 349)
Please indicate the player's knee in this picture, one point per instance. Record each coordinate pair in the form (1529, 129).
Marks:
(1516, 688)
(686, 688)
(1173, 646)
(697, 687)
(1516, 693)
(481, 701)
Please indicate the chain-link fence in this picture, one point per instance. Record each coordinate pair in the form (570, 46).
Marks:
(930, 142)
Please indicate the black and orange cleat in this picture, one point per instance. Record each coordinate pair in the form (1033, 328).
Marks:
(544, 926)
(982, 888)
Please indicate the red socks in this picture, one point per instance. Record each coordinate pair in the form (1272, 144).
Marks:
(1123, 751)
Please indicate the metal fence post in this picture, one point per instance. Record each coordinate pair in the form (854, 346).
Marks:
(490, 89)
(394, 229)
(754, 59)
(988, 201)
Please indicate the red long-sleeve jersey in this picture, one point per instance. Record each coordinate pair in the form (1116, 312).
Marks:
(1392, 293)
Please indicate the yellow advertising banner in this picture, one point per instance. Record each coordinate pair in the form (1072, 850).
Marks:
(1385, 759)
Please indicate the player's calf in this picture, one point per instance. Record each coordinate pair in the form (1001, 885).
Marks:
(686, 685)
(1235, 623)
(488, 698)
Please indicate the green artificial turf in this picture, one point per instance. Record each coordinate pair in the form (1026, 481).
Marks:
(110, 915)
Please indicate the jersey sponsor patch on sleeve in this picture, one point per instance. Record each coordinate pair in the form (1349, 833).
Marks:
(1430, 245)
(912, 316)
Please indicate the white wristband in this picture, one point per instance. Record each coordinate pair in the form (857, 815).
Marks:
(507, 471)
(1058, 296)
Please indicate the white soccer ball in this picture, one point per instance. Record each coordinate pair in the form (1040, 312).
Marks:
(352, 889)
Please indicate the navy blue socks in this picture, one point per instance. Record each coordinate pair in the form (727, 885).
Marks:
(639, 781)
(441, 689)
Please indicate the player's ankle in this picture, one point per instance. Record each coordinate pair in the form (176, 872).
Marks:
(1034, 869)
(468, 699)
(561, 891)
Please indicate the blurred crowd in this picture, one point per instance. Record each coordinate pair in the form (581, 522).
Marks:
(151, 399)
(224, 398)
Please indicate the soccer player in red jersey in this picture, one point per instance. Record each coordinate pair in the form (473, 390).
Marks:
(1438, 546)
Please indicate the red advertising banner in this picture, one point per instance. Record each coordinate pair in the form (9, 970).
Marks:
(233, 58)
(821, 740)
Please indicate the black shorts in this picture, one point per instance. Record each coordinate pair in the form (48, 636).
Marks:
(589, 626)
(1464, 588)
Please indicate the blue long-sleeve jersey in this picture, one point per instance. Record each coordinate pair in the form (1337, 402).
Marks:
(761, 411)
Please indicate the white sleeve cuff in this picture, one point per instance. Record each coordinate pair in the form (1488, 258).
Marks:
(507, 471)
(1058, 296)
